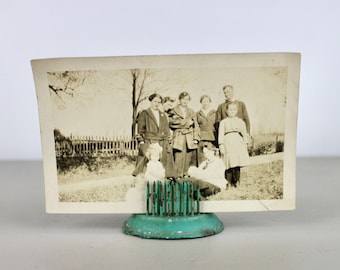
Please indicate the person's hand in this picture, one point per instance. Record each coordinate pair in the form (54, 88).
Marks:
(203, 164)
(195, 142)
(191, 122)
(247, 139)
(222, 149)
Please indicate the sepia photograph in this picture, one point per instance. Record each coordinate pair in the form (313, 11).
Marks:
(225, 122)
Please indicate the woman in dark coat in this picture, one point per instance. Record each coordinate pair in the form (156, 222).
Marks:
(183, 122)
(206, 119)
(153, 127)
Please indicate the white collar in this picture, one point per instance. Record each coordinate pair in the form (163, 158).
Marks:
(206, 112)
(156, 112)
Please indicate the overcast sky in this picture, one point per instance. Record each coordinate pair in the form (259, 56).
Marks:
(102, 105)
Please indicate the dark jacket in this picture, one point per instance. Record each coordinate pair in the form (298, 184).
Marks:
(206, 124)
(242, 113)
(148, 130)
(184, 133)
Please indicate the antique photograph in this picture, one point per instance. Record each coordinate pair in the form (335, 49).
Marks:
(226, 122)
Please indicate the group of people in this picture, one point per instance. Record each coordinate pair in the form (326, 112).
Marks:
(175, 142)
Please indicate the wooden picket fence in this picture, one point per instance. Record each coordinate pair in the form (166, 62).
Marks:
(75, 146)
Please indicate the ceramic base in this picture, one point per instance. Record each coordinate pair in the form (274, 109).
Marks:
(173, 227)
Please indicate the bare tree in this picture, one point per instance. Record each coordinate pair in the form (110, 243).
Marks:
(143, 84)
(138, 84)
(65, 83)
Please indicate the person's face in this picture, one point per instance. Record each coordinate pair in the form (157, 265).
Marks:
(168, 105)
(232, 110)
(184, 101)
(228, 93)
(156, 103)
(205, 103)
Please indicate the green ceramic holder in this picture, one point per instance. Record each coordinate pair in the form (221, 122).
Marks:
(173, 212)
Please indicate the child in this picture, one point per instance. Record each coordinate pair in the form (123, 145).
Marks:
(154, 172)
(232, 140)
(211, 171)
(154, 168)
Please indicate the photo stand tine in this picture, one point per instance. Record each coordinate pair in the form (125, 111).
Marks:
(173, 212)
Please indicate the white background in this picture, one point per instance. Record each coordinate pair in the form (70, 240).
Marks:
(45, 29)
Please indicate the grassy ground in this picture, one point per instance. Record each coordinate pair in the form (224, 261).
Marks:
(111, 181)
(96, 170)
(108, 182)
(257, 182)
(95, 191)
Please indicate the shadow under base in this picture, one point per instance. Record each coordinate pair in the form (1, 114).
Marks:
(173, 227)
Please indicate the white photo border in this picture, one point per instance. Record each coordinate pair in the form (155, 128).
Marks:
(289, 60)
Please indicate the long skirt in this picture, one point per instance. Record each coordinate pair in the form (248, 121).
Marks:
(183, 160)
(236, 152)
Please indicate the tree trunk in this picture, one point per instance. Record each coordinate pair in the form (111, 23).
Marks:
(134, 122)
(134, 103)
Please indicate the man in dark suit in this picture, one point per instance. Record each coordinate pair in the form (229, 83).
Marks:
(242, 112)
